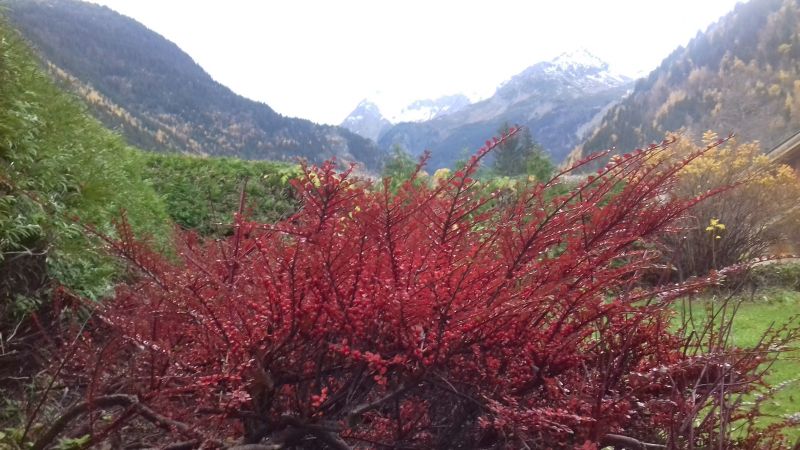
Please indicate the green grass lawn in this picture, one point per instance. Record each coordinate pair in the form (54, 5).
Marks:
(770, 307)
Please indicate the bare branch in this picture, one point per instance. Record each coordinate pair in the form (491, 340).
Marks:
(108, 401)
(625, 442)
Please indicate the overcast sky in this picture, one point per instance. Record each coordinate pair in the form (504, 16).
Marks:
(317, 59)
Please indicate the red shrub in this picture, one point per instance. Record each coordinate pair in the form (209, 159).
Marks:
(429, 318)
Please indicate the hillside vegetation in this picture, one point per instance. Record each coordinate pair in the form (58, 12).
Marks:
(741, 75)
(59, 168)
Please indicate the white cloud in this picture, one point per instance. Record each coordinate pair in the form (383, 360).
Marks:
(317, 59)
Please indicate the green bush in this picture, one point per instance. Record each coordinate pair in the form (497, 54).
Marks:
(59, 171)
(786, 276)
(202, 193)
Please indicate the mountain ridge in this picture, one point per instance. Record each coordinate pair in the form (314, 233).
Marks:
(159, 98)
(555, 99)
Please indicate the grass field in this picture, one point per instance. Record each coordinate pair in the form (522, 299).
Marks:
(771, 307)
(774, 307)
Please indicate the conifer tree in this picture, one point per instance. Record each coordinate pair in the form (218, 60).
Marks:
(521, 155)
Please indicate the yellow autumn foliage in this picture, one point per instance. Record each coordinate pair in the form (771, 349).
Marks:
(733, 163)
(758, 214)
(441, 174)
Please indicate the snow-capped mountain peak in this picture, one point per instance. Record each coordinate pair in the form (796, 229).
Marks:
(583, 63)
(374, 114)
(366, 120)
(577, 72)
(536, 90)
(579, 58)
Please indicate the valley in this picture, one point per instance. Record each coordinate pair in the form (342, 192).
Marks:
(577, 259)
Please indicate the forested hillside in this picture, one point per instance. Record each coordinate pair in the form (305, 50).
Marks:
(142, 84)
(741, 75)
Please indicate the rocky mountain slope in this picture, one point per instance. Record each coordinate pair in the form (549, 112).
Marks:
(367, 121)
(138, 82)
(741, 75)
(557, 100)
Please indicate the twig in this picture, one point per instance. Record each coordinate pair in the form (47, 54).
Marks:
(364, 407)
(258, 447)
(625, 442)
(73, 348)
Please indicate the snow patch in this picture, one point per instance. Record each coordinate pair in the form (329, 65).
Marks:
(579, 58)
(396, 111)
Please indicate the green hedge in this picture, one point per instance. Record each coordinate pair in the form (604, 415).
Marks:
(202, 194)
(777, 275)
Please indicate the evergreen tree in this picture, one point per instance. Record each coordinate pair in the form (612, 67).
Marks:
(521, 155)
